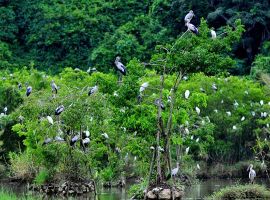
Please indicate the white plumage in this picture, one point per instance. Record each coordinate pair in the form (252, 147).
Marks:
(252, 173)
(187, 150)
(216, 111)
(50, 120)
(261, 102)
(198, 167)
(192, 28)
(54, 87)
(87, 133)
(187, 93)
(93, 90)
(187, 131)
(143, 86)
(120, 67)
(198, 110)
(214, 86)
(198, 139)
(189, 16)
(105, 135)
(229, 113)
(234, 127)
(175, 170)
(86, 141)
(236, 104)
(213, 34)
(253, 113)
(243, 118)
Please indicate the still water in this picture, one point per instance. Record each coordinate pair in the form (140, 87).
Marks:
(195, 192)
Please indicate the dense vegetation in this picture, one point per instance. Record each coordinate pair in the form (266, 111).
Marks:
(41, 41)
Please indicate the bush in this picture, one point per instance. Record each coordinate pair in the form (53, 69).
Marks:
(242, 192)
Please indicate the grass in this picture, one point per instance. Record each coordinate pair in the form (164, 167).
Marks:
(248, 191)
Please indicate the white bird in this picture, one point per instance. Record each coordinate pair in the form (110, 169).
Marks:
(213, 33)
(243, 118)
(229, 113)
(187, 93)
(198, 110)
(253, 113)
(202, 90)
(93, 90)
(47, 141)
(54, 87)
(252, 173)
(236, 104)
(160, 148)
(216, 111)
(192, 28)
(120, 67)
(86, 141)
(50, 120)
(198, 167)
(214, 87)
(152, 148)
(185, 78)
(28, 90)
(187, 150)
(187, 131)
(203, 122)
(175, 170)
(192, 137)
(189, 16)
(246, 92)
(234, 127)
(267, 125)
(208, 119)
(198, 139)
(115, 94)
(261, 102)
(269, 103)
(105, 135)
(263, 114)
(144, 86)
(87, 133)
(59, 110)
(5, 110)
(222, 101)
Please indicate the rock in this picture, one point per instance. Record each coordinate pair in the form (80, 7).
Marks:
(151, 195)
(178, 194)
(165, 194)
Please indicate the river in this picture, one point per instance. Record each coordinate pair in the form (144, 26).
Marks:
(195, 192)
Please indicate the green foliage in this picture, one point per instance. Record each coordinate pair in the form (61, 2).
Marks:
(41, 177)
(242, 192)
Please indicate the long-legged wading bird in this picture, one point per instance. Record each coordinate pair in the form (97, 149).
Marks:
(28, 90)
(59, 110)
(173, 172)
(213, 33)
(54, 87)
(192, 28)
(120, 68)
(93, 90)
(252, 173)
(189, 16)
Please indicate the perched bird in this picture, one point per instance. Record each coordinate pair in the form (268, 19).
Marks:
(50, 120)
(189, 16)
(235, 104)
(186, 131)
(252, 173)
(74, 140)
(87, 133)
(28, 90)
(263, 114)
(59, 110)
(47, 141)
(216, 111)
(246, 92)
(261, 102)
(192, 28)
(105, 135)
(192, 137)
(160, 149)
(234, 127)
(213, 33)
(54, 87)
(159, 103)
(185, 78)
(144, 86)
(187, 93)
(198, 139)
(253, 113)
(187, 150)
(214, 87)
(198, 110)
(93, 90)
(115, 94)
(175, 170)
(243, 118)
(120, 67)
(198, 167)
(5, 110)
(229, 113)
(202, 90)
(85, 141)
(152, 148)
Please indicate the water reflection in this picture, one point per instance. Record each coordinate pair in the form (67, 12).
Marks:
(195, 192)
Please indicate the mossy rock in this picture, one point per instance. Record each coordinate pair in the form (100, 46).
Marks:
(248, 191)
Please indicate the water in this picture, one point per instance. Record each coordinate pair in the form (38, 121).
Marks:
(195, 192)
